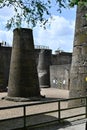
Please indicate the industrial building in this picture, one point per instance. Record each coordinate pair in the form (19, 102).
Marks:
(53, 69)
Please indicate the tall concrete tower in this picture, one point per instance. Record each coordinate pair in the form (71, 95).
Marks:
(23, 78)
(44, 67)
(78, 76)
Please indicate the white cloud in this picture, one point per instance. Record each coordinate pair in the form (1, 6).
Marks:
(6, 36)
(5, 14)
(58, 35)
(6, 11)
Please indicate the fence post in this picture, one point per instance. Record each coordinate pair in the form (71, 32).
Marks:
(24, 112)
(59, 116)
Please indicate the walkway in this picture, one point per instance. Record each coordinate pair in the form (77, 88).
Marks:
(50, 93)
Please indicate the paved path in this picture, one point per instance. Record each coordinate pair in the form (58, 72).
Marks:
(50, 93)
(75, 127)
(56, 127)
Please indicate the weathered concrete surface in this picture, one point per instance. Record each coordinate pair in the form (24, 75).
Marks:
(44, 68)
(60, 76)
(5, 56)
(23, 78)
(60, 59)
(78, 76)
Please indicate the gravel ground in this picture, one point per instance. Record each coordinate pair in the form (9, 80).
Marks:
(50, 94)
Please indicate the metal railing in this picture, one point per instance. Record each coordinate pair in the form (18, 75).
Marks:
(59, 110)
(41, 47)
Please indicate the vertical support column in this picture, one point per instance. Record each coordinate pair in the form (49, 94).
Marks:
(24, 116)
(44, 68)
(23, 78)
(59, 112)
(78, 74)
(86, 114)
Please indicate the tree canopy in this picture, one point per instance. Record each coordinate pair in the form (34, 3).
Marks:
(33, 11)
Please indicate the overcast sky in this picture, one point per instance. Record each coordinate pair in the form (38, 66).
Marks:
(59, 35)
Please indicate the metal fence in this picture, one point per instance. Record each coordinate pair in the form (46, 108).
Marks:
(41, 47)
(58, 111)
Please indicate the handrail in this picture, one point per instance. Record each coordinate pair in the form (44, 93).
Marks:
(44, 102)
(41, 47)
(59, 110)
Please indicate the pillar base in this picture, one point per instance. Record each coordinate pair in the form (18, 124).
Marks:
(21, 99)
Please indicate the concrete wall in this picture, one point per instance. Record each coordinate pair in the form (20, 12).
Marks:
(5, 56)
(60, 76)
(61, 58)
(37, 51)
(58, 62)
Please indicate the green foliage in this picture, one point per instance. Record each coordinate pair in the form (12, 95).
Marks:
(30, 11)
(33, 11)
(78, 2)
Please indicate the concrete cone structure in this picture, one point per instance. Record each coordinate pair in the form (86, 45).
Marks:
(44, 68)
(78, 75)
(23, 78)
